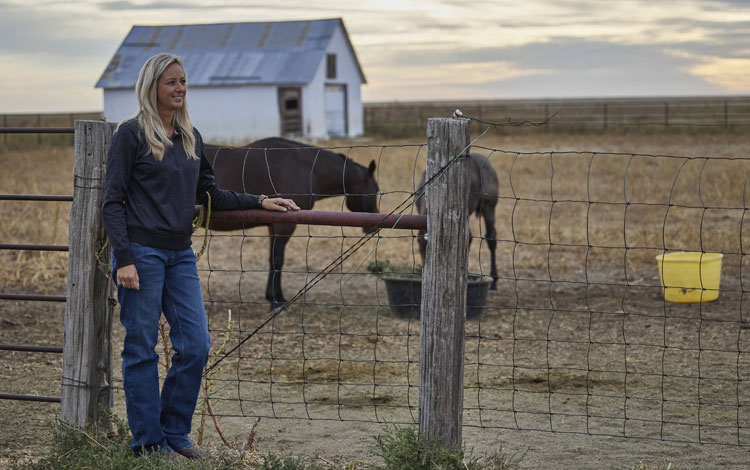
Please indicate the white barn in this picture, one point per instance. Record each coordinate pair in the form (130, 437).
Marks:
(250, 80)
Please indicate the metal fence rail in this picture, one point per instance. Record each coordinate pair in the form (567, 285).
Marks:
(20, 347)
(36, 130)
(13, 396)
(33, 247)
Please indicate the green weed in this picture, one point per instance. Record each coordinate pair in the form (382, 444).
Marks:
(403, 448)
(107, 445)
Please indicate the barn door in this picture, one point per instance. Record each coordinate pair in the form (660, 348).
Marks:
(336, 110)
(290, 109)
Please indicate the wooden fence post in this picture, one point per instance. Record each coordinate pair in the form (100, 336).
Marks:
(443, 312)
(87, 341)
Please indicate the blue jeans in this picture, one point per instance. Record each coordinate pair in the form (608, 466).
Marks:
(169, 283)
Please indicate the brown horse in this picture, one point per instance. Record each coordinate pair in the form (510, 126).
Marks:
(280, 167)
(483, 197)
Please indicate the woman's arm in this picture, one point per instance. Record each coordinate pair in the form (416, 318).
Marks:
(120, 160)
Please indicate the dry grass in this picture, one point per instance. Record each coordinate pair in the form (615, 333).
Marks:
(43, 170)
(595, 231)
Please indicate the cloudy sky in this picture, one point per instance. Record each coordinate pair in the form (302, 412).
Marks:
(52, 52)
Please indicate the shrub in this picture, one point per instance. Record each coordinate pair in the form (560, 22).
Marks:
(403, 448)
(107, 445)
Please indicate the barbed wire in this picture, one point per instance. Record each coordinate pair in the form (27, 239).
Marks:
(509, 123)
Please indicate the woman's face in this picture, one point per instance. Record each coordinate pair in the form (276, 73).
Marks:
(171, 88)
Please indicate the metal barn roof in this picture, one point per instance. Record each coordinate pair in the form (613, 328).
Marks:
(287, 52)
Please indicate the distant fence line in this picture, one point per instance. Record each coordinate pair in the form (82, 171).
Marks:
(41, 120)
(46, 119)
(566, 115)
(402, 119)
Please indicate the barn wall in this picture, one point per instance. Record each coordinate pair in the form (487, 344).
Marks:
(235, 115)
(314, 94)
(119, 104)
(225, 115)
(347, 73)
(313, 110)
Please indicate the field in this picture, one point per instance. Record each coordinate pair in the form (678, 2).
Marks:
(576, 340)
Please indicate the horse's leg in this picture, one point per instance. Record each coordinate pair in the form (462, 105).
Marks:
(488, 213)
(279, 235)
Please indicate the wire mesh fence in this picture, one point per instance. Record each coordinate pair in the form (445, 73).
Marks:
(577, 338)
(588, 343)
(334, 329)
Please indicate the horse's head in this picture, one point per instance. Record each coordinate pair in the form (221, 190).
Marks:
(362, 188)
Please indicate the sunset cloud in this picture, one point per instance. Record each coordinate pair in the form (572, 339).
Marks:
(730, 74)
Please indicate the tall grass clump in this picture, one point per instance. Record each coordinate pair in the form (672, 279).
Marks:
(403, 448)
(107, 445)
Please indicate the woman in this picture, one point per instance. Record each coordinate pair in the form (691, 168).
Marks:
(156, 170)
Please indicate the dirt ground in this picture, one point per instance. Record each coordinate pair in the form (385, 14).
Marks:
(577, 360)
(335, 400)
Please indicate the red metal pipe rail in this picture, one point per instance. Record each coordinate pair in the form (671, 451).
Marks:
(234, 220)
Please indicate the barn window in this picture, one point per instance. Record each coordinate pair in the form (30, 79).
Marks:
(331, 66)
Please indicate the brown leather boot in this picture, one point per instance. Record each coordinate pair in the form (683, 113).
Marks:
(193, 453)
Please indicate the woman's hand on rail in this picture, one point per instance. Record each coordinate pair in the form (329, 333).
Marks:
(279, 204)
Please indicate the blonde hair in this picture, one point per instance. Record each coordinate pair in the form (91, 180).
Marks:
(148, 117)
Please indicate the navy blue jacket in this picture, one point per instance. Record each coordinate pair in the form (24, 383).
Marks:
(152, 203)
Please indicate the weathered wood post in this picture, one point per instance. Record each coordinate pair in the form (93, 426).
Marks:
(443, 313)
(87, 345)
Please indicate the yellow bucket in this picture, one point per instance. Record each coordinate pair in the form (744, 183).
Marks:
(690, 277)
